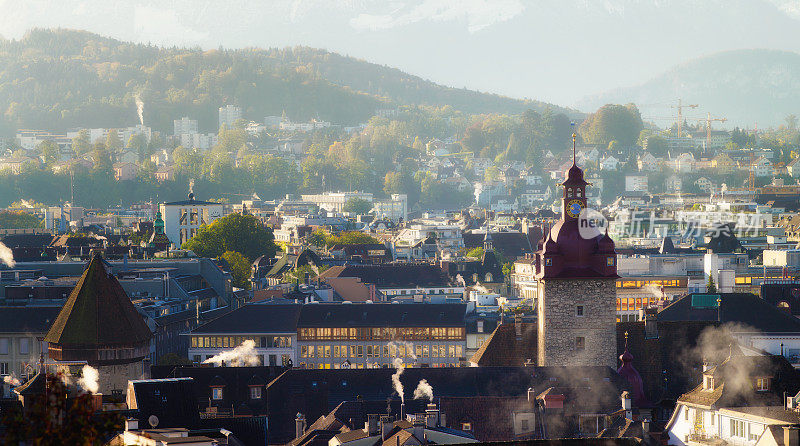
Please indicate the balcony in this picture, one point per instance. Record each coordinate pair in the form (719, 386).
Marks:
(705, 439)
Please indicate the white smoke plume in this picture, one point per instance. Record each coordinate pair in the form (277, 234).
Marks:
(6, 256)
(11, 380)
(480, 288)
(243, 355)
(423, 390)
(140, 109)
(89, 380)
(191, 185)
(398, 386)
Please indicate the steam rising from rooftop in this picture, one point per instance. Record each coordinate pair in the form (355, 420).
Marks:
(243, 355)
(140, 109)
(89, 380)
(423, 390)
(6, 256)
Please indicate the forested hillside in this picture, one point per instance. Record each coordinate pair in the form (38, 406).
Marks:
(58, 79)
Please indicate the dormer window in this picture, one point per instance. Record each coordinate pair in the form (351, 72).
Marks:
(548, 262)
(708, 383)
(610, 261)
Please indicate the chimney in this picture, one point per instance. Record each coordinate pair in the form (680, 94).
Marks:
(372, 424)
(651, 323)
(402, 410)
(131, 424)
(626, 405)
(518, 326)
(790, 436)
(531, 397)
(706, 365)
(432, 415)
(299, 425)
(419, 428)
(386, 427)
(645, 426)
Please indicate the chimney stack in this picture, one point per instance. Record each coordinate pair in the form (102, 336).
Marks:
(432, 416)
(386, 427)
(518, 326)
(626, 405)
(372, 424)
(790, 436)
(419, 428)
(299, 425)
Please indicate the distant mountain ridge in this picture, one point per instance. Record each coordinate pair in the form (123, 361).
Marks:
(747, 87)
(57, 79)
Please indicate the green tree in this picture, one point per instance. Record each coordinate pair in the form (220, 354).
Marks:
(81, 143)
(58, 418)
(138, 144)
(357, 206)
(113, 141)
(49, 151)
(612, 122)
(656, 145)
(18, 220)
(350, 238)
(711, 287)
(317, 238)
(239, 267)
(244, 234)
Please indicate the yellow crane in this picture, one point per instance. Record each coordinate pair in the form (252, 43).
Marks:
(680, 108)
(708, 120)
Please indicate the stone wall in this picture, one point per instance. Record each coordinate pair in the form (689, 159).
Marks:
(560, 325)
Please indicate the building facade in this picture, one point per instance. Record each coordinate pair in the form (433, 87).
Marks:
(381, 335)
(182, 219)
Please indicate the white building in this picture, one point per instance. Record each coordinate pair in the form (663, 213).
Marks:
(636, 183)
(229, 114)
(271, 328)
(394, 209)
(199, 140)
(182, 219)
(184, 126)
(335, 201)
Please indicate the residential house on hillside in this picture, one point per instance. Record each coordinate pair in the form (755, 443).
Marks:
(125, 171)
(609, 163)
(165, 172)
(648, 163)
(723, 163)
(793, 168)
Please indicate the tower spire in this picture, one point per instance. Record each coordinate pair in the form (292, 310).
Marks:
(573, 148)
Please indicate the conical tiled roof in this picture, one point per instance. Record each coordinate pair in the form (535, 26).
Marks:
(98, 312)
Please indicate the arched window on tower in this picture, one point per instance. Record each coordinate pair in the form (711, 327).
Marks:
(569, 192)
(578, 193)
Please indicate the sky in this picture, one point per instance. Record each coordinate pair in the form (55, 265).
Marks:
(558, 51)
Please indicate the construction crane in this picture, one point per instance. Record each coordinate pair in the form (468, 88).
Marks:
(680, 108)
(708, 121)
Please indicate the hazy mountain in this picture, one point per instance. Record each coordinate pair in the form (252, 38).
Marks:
(744, 86)
(57, 79)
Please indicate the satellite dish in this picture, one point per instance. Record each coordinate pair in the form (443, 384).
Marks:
(153, 420)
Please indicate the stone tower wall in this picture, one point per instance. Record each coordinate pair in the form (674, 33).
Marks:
(559, 325)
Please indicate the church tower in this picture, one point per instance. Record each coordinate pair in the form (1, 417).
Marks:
(576, 274)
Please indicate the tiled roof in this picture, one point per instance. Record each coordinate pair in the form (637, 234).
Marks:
(396, 275)
(382, 315)
(745, 309)
(503, 348)
(33, 319)
(254, 319)
(98, 312)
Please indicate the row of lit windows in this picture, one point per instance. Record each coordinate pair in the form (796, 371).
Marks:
(328, 365)
(235, 341)
(653, 282)
(377, 351)
(383, 334)
(635, 303)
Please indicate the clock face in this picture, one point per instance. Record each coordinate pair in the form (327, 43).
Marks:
(574, 208)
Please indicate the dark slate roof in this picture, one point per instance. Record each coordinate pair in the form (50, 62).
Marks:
(315, 392)
(382, 315)
(510, 244)
(587, 441)
(734, 380)
(254, 319)
(98, 312)
(27, 240)
(503, 348)
(743, 308)
(27, 319)
(393, 275)
(172, 400)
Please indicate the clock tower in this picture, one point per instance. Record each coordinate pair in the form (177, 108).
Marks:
(576, 287)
